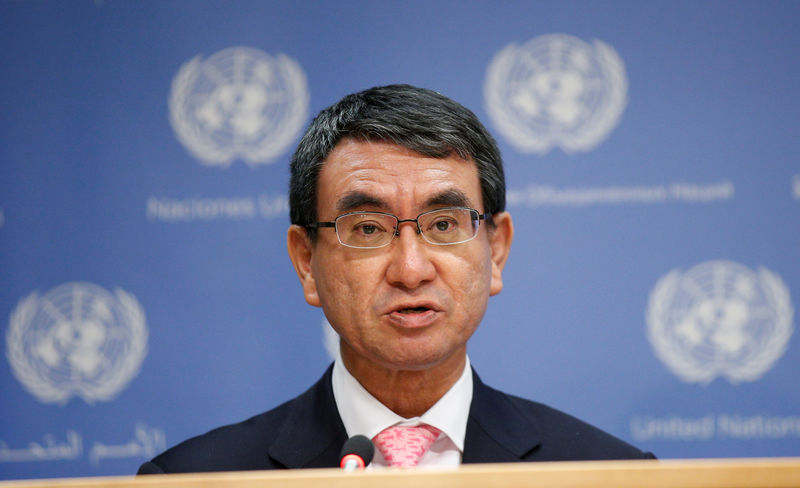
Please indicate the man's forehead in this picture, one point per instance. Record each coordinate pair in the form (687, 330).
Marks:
(389, 177)
(363, 154)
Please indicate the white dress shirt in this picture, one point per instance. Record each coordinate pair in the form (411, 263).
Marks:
(363, 414)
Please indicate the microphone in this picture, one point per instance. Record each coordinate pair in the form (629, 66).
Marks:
(356, 453)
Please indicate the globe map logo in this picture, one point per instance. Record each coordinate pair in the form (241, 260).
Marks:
(76, 340)
(240, 103)
(719, 318)
(556, 91)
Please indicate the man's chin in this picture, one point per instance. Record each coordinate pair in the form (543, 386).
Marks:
(419, 361)
(407, 355)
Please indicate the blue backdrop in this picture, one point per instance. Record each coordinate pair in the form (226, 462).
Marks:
(652, 155)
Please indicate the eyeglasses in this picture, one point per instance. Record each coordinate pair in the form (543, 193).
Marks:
(442, 227)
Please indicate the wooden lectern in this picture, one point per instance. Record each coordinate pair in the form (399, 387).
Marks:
(728, 473)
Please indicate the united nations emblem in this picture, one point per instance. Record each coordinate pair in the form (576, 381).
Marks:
(556, 90)
(238, 103)
(76, 340)
(719, 319)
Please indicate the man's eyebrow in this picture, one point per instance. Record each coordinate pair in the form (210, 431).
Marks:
(450, 198)
(355, 199)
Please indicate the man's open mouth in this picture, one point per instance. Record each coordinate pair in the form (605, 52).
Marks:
(414, 310)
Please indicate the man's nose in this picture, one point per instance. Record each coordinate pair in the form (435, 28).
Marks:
(410, 264)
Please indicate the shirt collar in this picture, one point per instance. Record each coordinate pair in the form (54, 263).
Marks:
(362, 413)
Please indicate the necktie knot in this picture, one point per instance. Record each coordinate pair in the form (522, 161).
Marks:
(404, 446)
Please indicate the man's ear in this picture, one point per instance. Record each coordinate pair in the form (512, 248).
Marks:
(301, 249)
(500, 241)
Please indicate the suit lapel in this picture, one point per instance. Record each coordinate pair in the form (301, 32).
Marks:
(497, 430)
(312, 434)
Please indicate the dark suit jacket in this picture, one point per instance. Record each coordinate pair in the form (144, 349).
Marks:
(306, 432)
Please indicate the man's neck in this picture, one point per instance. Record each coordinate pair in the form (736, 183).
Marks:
(408, 393)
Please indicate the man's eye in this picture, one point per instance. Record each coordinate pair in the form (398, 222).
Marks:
(367, 228)
(443, 225)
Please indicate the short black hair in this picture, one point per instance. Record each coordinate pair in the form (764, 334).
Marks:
(418, 119)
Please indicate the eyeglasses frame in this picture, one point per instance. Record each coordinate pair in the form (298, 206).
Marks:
(485, 216)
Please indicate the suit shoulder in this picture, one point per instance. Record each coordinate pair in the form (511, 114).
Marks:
(565, 437)
(235, 447)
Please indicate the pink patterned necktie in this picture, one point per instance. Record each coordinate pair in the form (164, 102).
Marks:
(404, 446)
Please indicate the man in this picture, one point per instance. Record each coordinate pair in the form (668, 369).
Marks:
(399, 233)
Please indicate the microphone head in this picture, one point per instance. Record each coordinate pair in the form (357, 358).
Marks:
(358, 447)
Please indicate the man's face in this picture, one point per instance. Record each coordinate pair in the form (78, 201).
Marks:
(409, 305)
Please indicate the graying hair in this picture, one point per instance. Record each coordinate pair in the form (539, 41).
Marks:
(418, 119)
